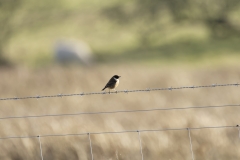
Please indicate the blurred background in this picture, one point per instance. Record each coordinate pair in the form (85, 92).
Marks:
(75, 46)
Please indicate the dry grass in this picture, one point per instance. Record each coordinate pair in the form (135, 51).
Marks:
(207, 144)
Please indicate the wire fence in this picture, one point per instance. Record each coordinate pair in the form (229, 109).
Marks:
(119, 111)
(119, 132)
(39, 137)
(123, 91)
(190, 142)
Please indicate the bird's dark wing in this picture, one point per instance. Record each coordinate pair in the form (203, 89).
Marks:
(110, 83)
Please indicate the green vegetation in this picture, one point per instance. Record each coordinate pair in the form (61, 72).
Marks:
(136, 30)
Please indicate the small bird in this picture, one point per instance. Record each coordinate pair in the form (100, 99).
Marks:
(112, 83)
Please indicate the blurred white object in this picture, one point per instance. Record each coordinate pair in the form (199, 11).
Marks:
(67, 51)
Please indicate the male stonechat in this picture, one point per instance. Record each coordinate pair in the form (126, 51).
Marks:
(112, 83)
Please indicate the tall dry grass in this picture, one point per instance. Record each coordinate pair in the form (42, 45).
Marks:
(207, 144)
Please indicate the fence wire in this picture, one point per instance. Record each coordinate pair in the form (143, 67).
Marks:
(140, 144)
(119, 111)
(90, 144)
(118, 132)
(122, 91)
(40, 146)
(190, 142)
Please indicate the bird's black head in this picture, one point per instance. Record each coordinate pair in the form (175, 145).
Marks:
(116, 76)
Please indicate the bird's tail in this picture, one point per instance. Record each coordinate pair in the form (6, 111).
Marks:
(104, 88)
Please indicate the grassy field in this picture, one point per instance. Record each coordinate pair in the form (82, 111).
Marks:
(156, 53)
(207, 144)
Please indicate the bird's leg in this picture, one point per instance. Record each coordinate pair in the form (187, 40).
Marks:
(109, 91)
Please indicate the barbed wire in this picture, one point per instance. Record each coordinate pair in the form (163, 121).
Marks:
(118, 132)
(119, 111)
(122, 91)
